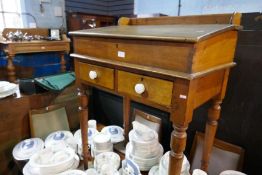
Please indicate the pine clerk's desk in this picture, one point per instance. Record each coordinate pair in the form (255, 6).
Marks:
(175, 63)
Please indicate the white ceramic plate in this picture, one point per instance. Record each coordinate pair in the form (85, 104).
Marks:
(144, 164)
(9, 90)
(140, 142)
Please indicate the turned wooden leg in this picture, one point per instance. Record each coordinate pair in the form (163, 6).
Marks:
(83, 111)
(126, 111)
(63, 62)
(11, 69)
(210, 132)
(178, 144)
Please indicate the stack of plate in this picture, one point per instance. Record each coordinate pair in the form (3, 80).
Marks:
(107, 163)
(116, 133)
(7, 89)
(101, 143)
(144, 148)
(162, 169)
(59, 140)
(48, 161)
(25, 149)
(78, 138)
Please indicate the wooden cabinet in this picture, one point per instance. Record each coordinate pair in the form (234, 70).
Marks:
(78, 21)
(174, 64)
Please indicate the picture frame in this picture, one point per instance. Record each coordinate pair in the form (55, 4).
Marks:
(54, 34)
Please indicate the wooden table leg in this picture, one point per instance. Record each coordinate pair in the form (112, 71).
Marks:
(11, 69)
(210, 132)
(63, 62)
(126, 111)
(178, 144)
(83, 110)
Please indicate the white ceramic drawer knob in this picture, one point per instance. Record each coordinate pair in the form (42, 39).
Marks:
(140, 88)
(92, 75)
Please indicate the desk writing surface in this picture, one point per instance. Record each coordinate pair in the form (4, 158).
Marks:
(181, 33)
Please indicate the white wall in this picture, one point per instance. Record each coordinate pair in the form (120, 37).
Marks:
(191, 7)
(46, 19)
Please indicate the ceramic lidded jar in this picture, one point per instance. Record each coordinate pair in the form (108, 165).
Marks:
(59, 140)
(25, 149)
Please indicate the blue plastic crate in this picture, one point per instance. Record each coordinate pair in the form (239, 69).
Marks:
(3, 61)
(47, 69)
(43, 64)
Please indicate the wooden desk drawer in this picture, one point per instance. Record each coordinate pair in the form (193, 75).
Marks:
(41, 47)
(156, 90)
(104, 76)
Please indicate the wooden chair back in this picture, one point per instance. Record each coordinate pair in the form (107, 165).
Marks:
(46, 120)
(224, 156)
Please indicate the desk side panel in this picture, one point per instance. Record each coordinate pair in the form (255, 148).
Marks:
(215, 51)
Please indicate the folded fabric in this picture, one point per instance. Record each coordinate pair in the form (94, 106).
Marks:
(56, 82)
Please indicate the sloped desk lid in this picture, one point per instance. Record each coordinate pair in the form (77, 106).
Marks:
(180, 33)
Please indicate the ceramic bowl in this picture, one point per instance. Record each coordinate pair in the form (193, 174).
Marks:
(59, 140)
(91, 132)
(47, 161)
(73, 172)
(116, 133)
(102, 142)
(129, 167)
(231, 172)
(107, 160)
(28, 170)
(77, 136)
